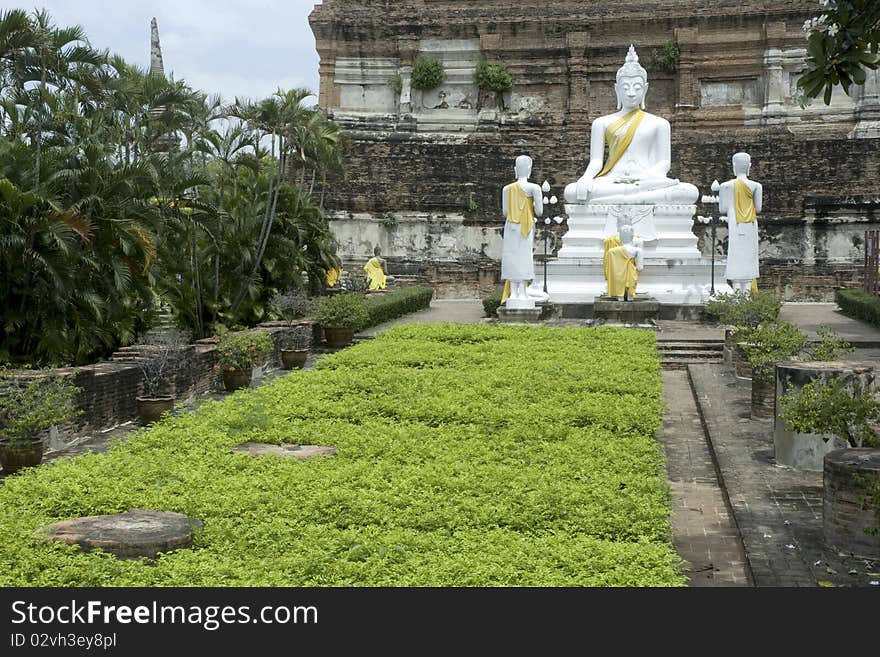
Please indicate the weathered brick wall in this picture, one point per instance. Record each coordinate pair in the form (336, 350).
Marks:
(567, 52)
(110, 388)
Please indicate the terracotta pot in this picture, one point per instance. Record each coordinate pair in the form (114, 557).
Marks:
(237, 379)
(14, 457)
(150, 409)
(338, 337)
(848, 505)
(741, 362)
(294, 358)
(764, 395)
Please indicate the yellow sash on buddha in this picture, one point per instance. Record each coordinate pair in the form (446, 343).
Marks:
(520, 209)
(619, 136)
(621, 272)
(333, 276)
(744, 202)
(375, 274)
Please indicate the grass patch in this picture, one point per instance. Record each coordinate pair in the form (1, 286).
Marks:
(468, 456)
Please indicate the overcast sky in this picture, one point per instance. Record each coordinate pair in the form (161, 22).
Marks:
(232, 47)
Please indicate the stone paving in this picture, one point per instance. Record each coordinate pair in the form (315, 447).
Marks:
(778, 510)
(705, 534)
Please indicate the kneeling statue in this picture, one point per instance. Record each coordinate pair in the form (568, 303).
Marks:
(624, 259)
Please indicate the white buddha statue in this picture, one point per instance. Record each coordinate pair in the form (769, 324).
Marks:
(639, 151)
(741, 200)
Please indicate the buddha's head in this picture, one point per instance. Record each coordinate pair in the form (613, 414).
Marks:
(742, 162)
(626, 232)
(523, 166)
(377, 251)
(632, 82)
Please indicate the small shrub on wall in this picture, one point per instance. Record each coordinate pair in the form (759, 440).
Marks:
(428, 73)
(495, 77)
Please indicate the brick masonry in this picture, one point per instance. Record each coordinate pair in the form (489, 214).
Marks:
(110, 388)
(820, 191)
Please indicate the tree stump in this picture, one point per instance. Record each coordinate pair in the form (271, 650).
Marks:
(131, 535)
(299, 452)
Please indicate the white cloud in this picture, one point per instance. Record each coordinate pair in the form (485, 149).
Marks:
(231, 47)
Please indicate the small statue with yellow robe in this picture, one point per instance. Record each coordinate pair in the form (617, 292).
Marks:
(624, 259)
(375, 269)
(741, 200)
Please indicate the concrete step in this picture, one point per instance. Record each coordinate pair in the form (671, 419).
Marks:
(706, 345)
(673, 363)
(692, 356)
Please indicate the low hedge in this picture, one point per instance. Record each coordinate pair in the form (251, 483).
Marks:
(859, 305)
(467, 456)
(397, 303)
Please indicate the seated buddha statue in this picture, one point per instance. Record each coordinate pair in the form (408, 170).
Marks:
(639, 151)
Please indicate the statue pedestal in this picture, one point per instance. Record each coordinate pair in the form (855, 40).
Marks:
(675, 272)
(519, 315)
(637, 311)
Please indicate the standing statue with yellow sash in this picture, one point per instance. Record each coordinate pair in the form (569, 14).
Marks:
(521, 202)
(741, 200)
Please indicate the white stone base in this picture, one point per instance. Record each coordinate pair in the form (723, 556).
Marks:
(675, 272)
(520, 304)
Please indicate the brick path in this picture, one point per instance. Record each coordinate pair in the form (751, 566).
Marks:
(705, 534)
(778, 510)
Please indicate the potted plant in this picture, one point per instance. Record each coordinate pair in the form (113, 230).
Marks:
(769, 344)
(764, 346)
(237, 353)
(293, 305)
(740, 312)
(851, 493)
(157, 354)
(340, 316)
(29, 407)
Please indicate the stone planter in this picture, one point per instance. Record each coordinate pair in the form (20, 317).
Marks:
(741, 366)
(150, 409)
(294, 358)
(806, 451)
(338, 337)
(848, 507)
(14, 457)
(237, 379)
(763, 395)
(729, 345)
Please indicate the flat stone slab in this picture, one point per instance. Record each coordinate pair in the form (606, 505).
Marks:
(130, 535)
(299, 452)
(519, 315)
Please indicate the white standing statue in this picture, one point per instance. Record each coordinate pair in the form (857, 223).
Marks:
(639, 151)
(741, 200)
(521, 202)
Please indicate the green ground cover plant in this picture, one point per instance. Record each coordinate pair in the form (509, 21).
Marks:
(467, 456)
